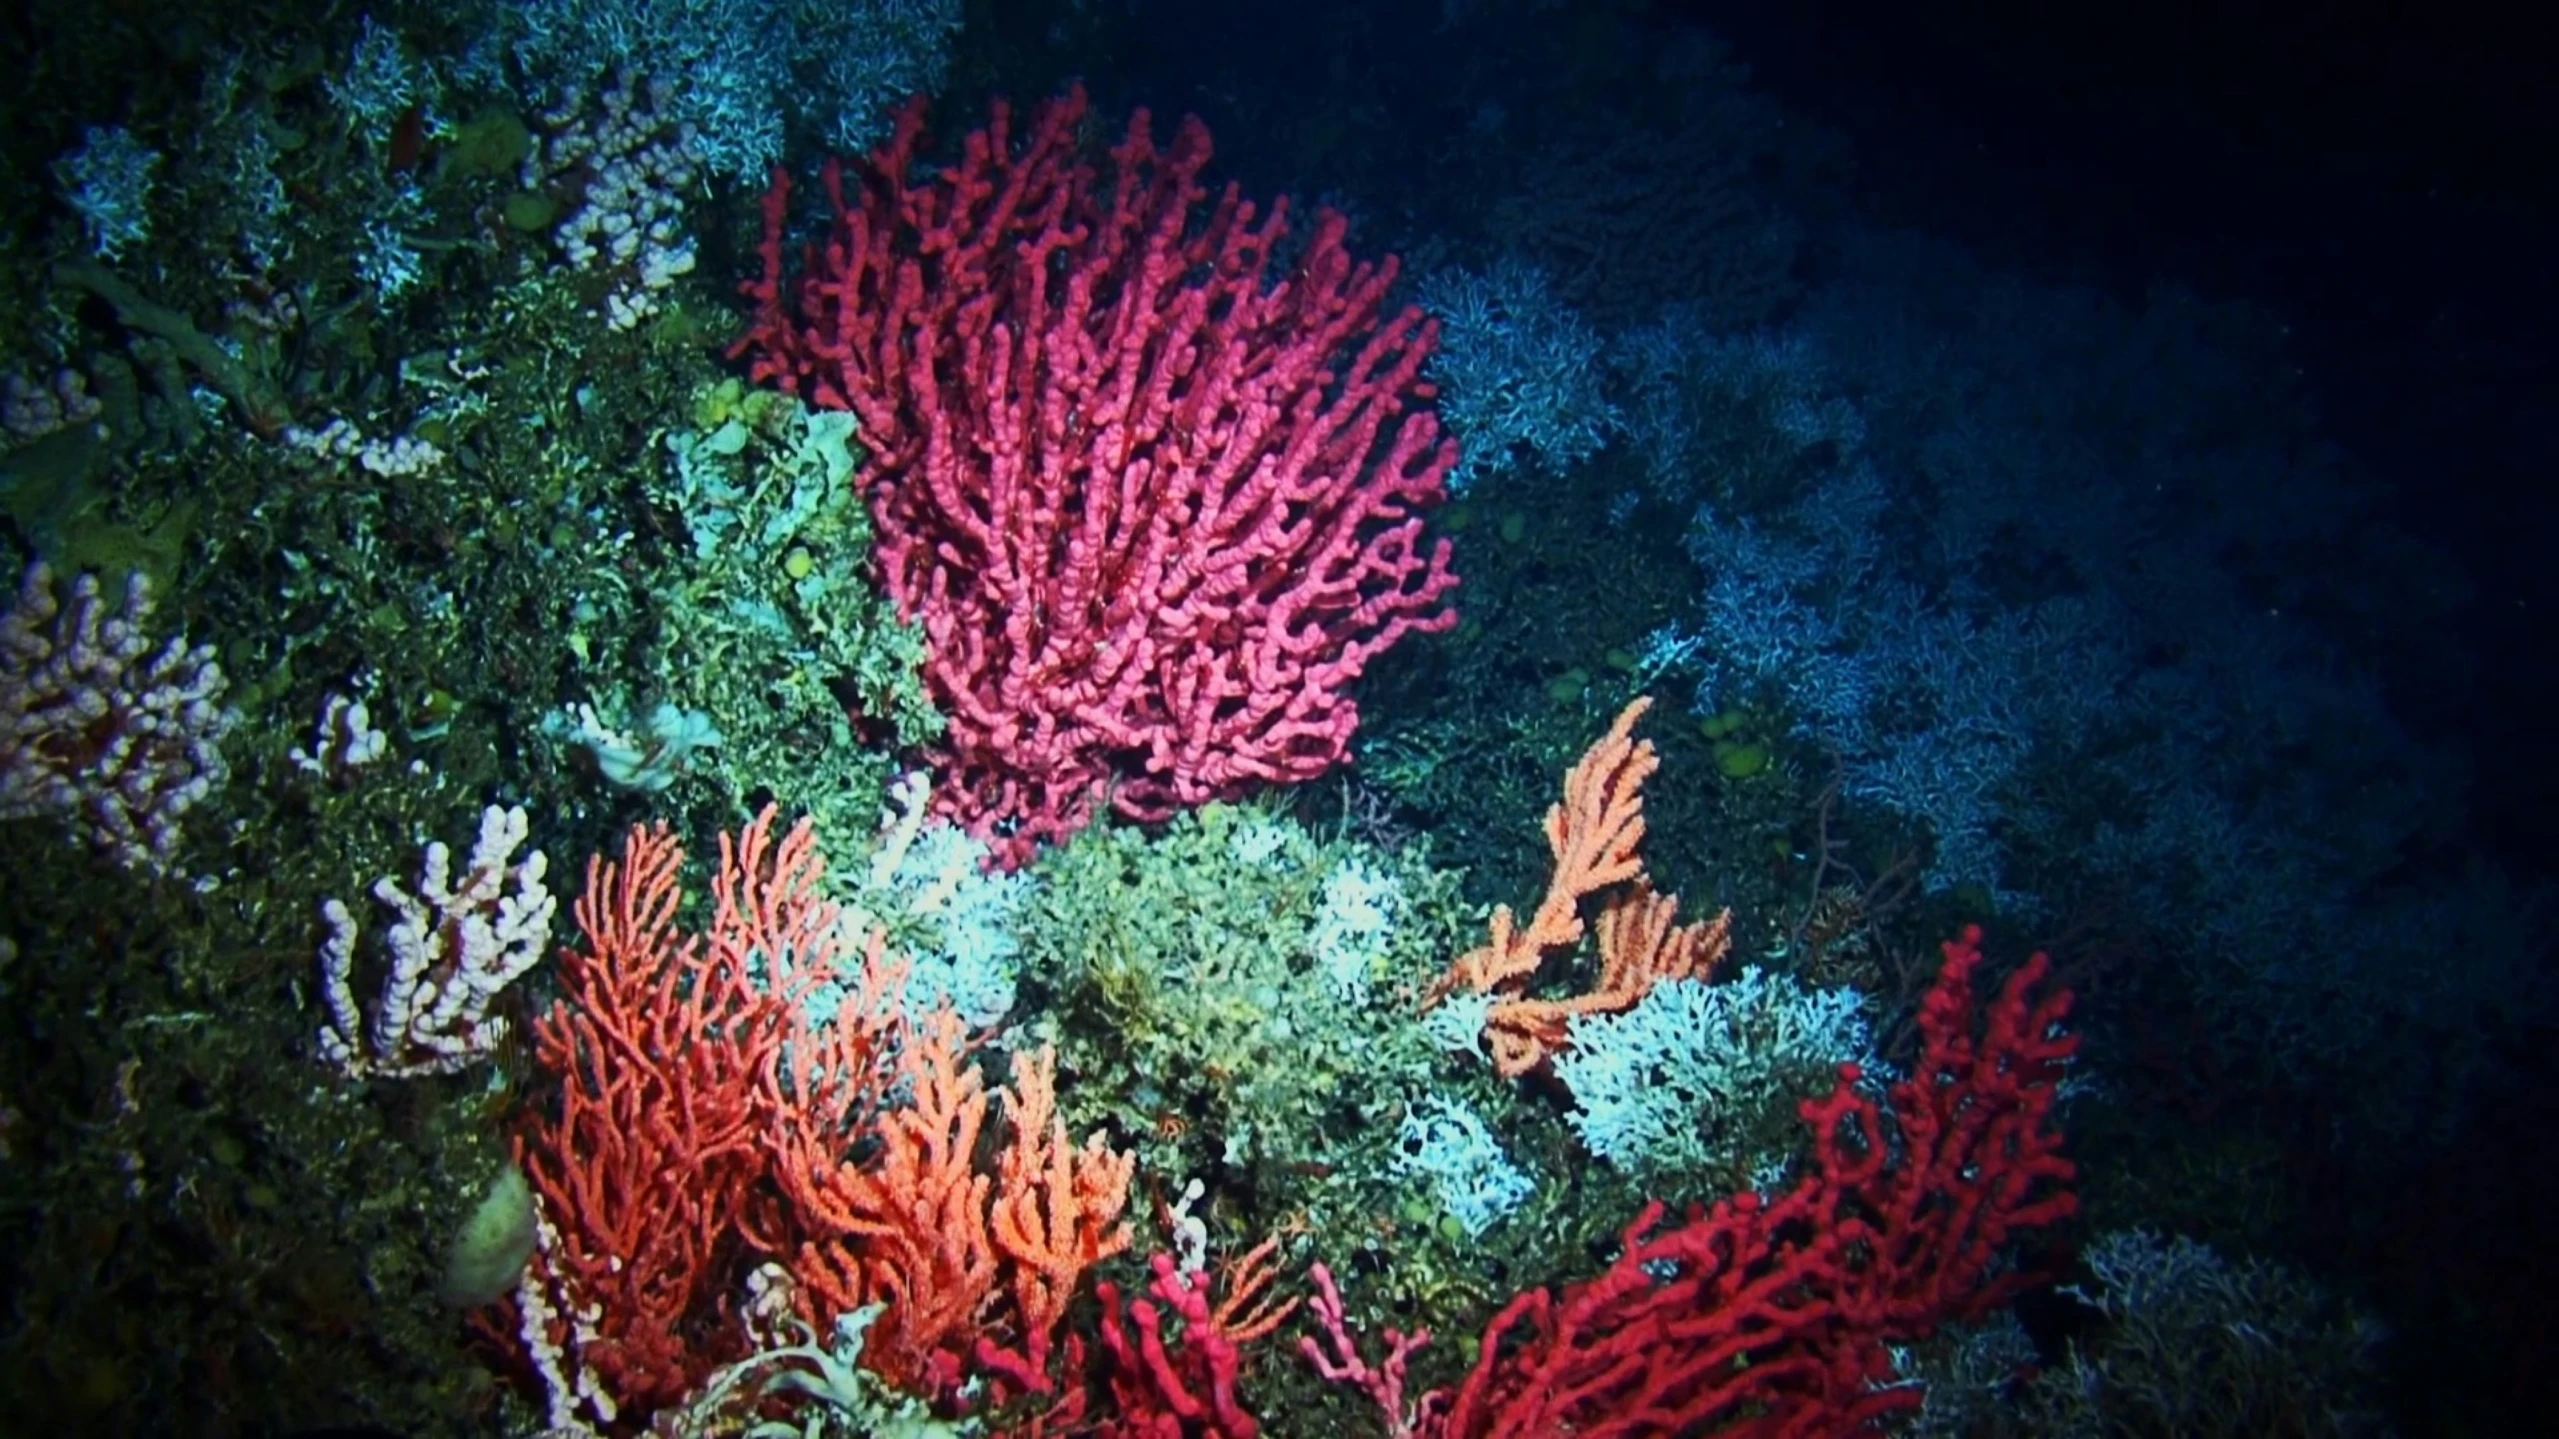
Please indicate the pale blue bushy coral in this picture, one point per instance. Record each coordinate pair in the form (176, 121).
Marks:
(1354, 920)
(1456, 1024)
(1703, 1078)
(1788, 598)
(729, 56)
(960, 945)
(240, 143)
(1518, 371)
(380, 83)
(2205, 751)
(745, 72)
(1261, 840)
(386, 258)
(868, 58)
(1444, 1142)
(108, 184)
(1967, 1376)
(1934, 699)
(926, 894)
(1766, 622)
(1713, 415)
(1931, 698)
(2196, 1343)
(1972, 693)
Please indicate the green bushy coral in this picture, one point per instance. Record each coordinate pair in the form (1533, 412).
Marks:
(765, 628)
(1183, 974)
(1186, 989)
(2188, 1342)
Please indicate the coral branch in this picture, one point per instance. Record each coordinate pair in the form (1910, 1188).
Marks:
(1596, 835)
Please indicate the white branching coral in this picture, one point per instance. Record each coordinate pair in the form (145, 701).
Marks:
(115, 736)
(452, 950)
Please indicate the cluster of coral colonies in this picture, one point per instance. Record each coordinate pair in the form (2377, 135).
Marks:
(706, 1126)
(1783, 1311)
(1156, 510)
(704, 1118)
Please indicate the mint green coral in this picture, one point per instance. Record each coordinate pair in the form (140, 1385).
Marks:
(766, 630)
(824, 1388)
(1237, 1000)
(1192, 999)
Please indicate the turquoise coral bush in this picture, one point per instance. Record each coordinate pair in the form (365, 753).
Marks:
(1703, 1078)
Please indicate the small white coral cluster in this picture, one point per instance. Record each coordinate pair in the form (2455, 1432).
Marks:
(1519, 376)
(99, 727)
(929, 884)
(344, 741)
(637, 166)
(453, 949)
(340, 439)
(32, 409)
(1355, 922)
(108, 183)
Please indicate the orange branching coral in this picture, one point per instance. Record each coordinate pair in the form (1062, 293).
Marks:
(1596, 834)
(705, 1120)
(1249, 1311)
(1055, 1213)
(1641, 943)
(659, 1044)
(897, 1212)
(903, 1225)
